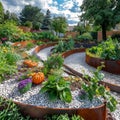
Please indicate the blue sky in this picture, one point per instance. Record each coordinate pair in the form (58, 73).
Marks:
(68, 8)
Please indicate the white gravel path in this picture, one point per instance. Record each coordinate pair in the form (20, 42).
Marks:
(43, 54)
(77, 62)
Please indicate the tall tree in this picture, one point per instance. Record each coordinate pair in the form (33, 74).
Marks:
(46, 21)
(59, 24)
(11, 16)
(32, 14)
(105, 13)
(1, 13)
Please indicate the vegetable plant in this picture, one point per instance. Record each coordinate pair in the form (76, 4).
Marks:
(53, 62)
(8, 60)
(94, 89)
(109, 50)
(10, 111)
(63, 46)
(63, 117)
(57, 88)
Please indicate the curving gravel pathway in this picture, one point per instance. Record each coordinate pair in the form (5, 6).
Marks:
(77, 62)
(44, 53)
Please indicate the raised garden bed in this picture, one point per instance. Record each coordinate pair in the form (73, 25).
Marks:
(96, 113)
(113, 87)
(23, 44)
(44, 46)
(112, 66)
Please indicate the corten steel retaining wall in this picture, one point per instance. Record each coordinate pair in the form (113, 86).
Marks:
(111, 66)
(96, 113)
(113, 87)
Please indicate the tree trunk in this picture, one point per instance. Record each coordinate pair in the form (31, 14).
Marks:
(104, 31)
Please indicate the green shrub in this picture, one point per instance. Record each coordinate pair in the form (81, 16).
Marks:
(8, 60)
(57, 88)
(10, 31)
(53, 62)
(85, 37)
(28, 24)
(109, 50)
(93, 89)
(63, 117)
(116, 36)
(63, 46)
(10, 111)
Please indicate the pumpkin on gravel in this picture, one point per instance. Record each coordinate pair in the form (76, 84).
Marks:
(30, 63)
(38, 78)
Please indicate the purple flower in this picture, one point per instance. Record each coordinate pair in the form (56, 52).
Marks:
(4, 39)
(23, 83)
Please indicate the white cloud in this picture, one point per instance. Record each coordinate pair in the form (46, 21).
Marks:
(66, 8)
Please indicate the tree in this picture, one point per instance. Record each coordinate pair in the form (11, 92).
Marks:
(105, 13)
(32, 14)
(59, 24)
(11, 17)
(46, 21)
(1, 13)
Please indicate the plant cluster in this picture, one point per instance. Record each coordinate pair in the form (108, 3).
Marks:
(8, 60)
(116, 36)
(109, 50)
(54, 62)
(10, 111)
(63, 46)
(63, 117)
(57, 88)
(24, 85)
(43, 35)
(11, 32)
(94, 89)
(85, 37)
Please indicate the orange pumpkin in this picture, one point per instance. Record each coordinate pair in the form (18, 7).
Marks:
(30, 63)
(38, 78)
(26, 62)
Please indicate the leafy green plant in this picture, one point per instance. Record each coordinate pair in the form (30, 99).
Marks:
(53, 62)
(109, 50)
(63, 46)
(57, 88)
(63, 117)
(8, 59)
(94, 89)
(85, 37)
(28, 24)
(30, 45)
(10, 111)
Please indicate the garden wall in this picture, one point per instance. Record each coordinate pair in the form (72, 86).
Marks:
(72, 34)
(109, 33)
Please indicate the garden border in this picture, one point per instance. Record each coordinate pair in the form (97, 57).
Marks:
(111, 66)
(113, 87)
(96, 113)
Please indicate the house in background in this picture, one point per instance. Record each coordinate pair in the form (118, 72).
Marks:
(70, 28)
(117, 27)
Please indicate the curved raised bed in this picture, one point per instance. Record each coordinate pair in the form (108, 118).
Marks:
(23, 43)
(110, 65)
(96, 113)
(44, 46)
(66, 54)
(113, 87)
